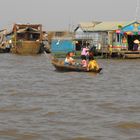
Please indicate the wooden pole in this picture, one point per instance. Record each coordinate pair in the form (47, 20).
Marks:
(41, 34)
(15, 34)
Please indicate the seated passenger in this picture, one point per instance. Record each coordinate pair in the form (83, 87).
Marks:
(69, 60)
(84, 61)
(92, 65)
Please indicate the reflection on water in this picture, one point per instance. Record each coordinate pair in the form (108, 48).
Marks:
(14, 134)
(39, 103)
(129, 125)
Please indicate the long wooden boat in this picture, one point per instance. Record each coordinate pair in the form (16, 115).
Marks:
(132, 55)
(59, 65)
(27, 39)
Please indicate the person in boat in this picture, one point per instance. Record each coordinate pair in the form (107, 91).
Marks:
(84, 61)
(92, 65)
(69, 59)
(91, 53)
(85, 51)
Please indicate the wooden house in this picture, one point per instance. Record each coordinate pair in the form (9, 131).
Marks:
(84, 34)
(58, 34)
(119, 38)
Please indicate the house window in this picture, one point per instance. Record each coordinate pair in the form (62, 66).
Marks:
(59, 34)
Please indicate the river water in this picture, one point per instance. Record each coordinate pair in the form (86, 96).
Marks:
(39, 103)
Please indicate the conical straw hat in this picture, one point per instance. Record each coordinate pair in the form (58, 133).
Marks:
(136, 41)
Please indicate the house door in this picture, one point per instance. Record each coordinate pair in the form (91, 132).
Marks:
(131, 39)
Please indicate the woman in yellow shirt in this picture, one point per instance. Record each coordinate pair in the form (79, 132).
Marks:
(92, 65)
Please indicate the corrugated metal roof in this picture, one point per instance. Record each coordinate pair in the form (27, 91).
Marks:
(103, 26)
(111, 25)
(88, 26)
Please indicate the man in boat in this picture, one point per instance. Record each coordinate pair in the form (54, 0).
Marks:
(69, 59)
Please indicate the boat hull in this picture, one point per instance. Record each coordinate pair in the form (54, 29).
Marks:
(59, 65)
(26, 47)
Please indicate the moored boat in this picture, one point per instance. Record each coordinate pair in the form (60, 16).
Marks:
(27, 39)
(4, 44)
(59, 65)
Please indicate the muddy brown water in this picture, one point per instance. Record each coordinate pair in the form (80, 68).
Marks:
(39, 103)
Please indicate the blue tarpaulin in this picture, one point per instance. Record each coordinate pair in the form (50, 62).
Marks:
(62, 45)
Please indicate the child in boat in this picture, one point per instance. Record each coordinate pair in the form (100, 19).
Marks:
(69, 60)
(92, 65)
(84, 61)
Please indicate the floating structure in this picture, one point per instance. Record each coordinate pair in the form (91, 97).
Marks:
(58, 34)
(4, 43)
(115, 38)
(84, 34)
(62, 45)
(118, 38)
(27, 39)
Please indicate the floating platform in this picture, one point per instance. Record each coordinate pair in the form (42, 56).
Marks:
(131, 54)
(120, 54)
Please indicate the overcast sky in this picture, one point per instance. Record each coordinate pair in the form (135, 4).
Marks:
(65, 14)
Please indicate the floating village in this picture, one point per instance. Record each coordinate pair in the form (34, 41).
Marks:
(107, 39)
(103, 39)
(62, 80)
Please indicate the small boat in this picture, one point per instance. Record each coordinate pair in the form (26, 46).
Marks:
(59, 65)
